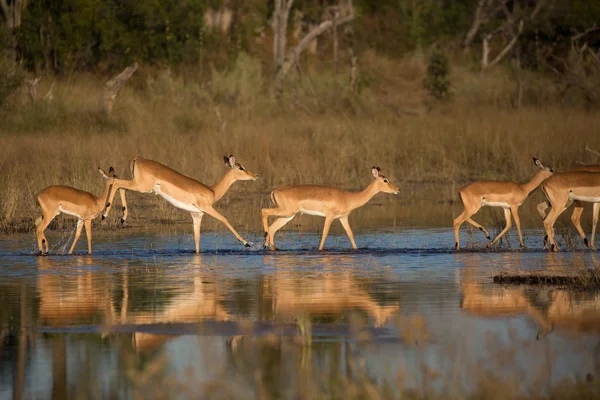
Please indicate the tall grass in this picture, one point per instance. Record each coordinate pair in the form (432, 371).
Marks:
(317, 132)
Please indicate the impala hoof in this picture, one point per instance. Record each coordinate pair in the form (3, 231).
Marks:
(586, 242)
(103, 218)
(489, 237)
(553, 248)
(122, 221)
(247, 244)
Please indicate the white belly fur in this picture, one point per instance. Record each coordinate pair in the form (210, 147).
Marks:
(311, 212)
(62, 210)
(175, 202)
(494, 204)
(587, 199)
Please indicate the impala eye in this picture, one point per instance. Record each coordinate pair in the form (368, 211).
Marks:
(242, 168)
(385, 181)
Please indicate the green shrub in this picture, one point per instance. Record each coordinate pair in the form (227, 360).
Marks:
(436, 81)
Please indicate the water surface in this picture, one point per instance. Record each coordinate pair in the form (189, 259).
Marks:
(145, 316)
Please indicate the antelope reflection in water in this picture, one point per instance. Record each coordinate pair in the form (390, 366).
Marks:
(281, 298)
(549, 308)
(331, 290)
(76, 298)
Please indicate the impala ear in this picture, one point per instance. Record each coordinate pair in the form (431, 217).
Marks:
(229, 161)
(538, 163)
(101, 171)
(111, 171)
(375, 172)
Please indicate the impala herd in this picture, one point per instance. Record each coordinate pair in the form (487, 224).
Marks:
(579, 185)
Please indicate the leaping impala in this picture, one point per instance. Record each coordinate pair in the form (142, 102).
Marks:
(182, 191)
(54, 200)
(565, 188)
(578, 205)
(329, 202)
(505, 194)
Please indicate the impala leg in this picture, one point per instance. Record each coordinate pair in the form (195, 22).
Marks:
(328, 221)
(346, 225)
(576, 220)
(549, 223)
(515, 214)
(596, 214)
(480, 227)
(268, 212)
(77, 234)
(458, 221)
(41, 225)
(277, 225)
(215, 214)
(123, 206)
(197, 218)
(506, 228)
(88, 233)
(123, 185)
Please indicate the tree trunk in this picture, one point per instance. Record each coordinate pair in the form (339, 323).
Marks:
(279, 24)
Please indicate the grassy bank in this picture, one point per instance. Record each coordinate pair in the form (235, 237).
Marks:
(318, 132)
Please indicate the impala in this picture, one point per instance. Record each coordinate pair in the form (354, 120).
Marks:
(329, 202)
(563, 189)
(54, 200)
(182, 191)
(578, 205)
(508, 195)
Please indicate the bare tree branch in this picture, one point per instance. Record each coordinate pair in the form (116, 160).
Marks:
(50, 94)
(112, 87)
(507, 48)
(589, 30)
(485, 9)
(538, 7)
(294, 55)
(596, 153)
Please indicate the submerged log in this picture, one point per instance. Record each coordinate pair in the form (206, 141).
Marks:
(587, 279)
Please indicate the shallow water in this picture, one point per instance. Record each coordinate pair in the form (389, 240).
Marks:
(144, 314)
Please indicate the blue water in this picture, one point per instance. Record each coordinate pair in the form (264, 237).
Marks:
(404, 303)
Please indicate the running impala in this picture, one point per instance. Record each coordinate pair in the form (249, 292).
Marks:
(578, 205)
(181, 191)
(505, 194)
(563, 189)
(329, 202)
(54, 200)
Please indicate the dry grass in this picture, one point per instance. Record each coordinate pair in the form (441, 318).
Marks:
(317, 133)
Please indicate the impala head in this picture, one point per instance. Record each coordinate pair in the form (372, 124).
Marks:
(382, 183)
(239, 172)
(111, 174)
(546, 168)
